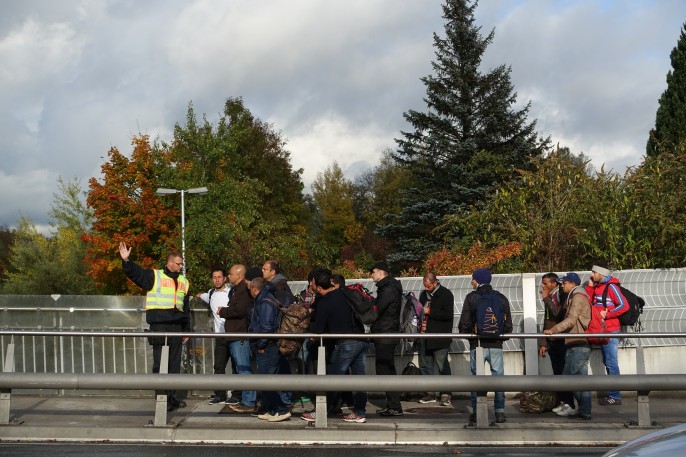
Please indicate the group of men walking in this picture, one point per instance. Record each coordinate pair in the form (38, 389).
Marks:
(250, 301)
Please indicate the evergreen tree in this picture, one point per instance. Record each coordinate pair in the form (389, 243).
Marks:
(670, 119)
(468, 141)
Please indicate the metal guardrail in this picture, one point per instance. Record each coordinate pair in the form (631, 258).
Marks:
(642, 383)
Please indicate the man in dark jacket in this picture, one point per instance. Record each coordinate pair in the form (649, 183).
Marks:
(167, 309)
(265, 319)
(389, 294)
(439, 310)
(236, 321)
(493, 348)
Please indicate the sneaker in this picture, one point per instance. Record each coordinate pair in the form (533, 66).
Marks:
(258, 413)
(216, 400)
(232, 400)
(609, 401)
(390, 412)
(559, 407)
(280, 417)
(582, 416)
(500, 418)
(243, 408)
(264, 416)
(309, 417)
(566, 411)
(352, 417)
(446, 400)
(427, 399)
(303, 400)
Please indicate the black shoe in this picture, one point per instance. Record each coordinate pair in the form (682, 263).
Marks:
(582, 416)
(472, 418)
(179, 404)
(216, 400)
(500, 418)
(171, 407)
(232, 400)
(610, 401)
(390, 412)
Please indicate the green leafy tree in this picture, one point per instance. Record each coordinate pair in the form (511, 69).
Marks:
(53, 265)
(670, 119)
(333, 196)
(469, 140)
(6, 241)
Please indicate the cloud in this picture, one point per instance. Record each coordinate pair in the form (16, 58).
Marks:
(335, 77)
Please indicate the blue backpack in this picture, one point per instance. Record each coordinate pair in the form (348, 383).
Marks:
(490, 315)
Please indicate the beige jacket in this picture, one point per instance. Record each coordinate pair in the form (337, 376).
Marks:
(577, 316)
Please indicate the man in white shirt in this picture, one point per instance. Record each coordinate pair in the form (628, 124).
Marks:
(218, 297)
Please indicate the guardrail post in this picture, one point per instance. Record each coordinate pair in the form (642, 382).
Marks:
(481, 397)
(6, 395)
(642, 400)
(529, 299)
(161, 403)
(321, 420)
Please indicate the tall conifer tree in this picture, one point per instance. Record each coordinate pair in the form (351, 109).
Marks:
(670, 119)
(470, 139)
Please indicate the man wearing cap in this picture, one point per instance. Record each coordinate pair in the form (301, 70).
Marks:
(389, 294)
(554, 312)
(614, 306)
(493, 348)
(578, 350)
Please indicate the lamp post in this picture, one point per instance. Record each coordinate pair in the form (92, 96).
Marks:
(195, 190)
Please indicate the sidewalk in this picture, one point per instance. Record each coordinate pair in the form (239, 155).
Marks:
(129, 419)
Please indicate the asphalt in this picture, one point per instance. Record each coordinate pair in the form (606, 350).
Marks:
(128, 419)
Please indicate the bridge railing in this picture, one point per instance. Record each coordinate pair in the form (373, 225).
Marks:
(641, 382)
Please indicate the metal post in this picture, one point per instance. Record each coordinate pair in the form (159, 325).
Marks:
(529, 298)
(161, 403)
(6, 395)
(183, 234)
(320, 403)
(481, 397)
(642, 400)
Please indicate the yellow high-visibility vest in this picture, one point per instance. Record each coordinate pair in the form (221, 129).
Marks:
(164, 294)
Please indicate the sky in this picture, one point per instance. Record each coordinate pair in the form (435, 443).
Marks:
(78, 77)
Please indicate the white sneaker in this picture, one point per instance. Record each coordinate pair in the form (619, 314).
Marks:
(559, 407)
(566, 411)
(280, 417)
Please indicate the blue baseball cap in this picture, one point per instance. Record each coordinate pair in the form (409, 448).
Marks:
(571, 277)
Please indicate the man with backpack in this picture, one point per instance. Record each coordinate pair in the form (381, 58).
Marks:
(486, 312)
(438, 303)
(265, 319)
(389, 293)
(605, 293)
(334, 315)
(577, 312)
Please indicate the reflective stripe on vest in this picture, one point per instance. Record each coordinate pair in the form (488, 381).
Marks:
(164, 294)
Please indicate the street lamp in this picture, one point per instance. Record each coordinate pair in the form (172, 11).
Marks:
(195, 190)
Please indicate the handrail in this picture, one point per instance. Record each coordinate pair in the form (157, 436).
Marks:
(400, 336)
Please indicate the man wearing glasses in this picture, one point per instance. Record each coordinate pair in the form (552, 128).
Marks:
(167, 309)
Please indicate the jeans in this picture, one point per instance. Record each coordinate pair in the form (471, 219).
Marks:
(240, 353)
(268, 362)
(610, 352)
(494, 357)
(385, 365)
(556, 351)
(348, 355)
(576, 363)
(429, 359)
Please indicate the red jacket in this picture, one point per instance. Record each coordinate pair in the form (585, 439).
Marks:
(616, 302)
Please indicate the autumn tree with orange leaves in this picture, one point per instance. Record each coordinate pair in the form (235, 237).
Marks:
(126, 208)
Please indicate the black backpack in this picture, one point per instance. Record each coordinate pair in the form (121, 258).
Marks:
(490, 315)
(635, 302)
